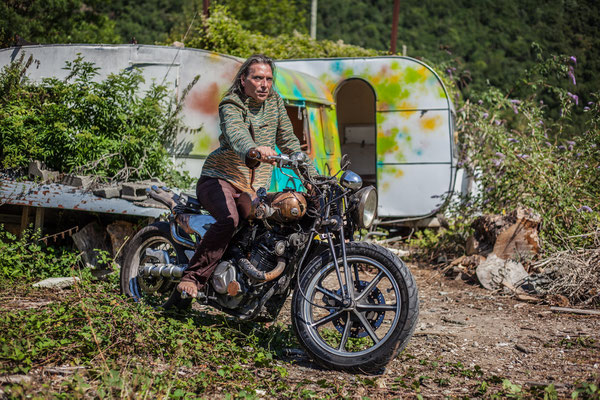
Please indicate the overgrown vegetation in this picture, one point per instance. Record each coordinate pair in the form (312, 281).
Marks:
(26, 258)
(81, 124)
(222, 33)
(521, 156)
(90, 342)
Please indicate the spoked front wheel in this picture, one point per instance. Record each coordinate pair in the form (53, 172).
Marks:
(358, 322)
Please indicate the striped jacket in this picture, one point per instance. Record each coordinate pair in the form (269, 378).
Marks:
(246, 123)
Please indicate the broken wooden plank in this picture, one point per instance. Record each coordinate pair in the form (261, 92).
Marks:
(575, 310)
(24, 218)
(39, 218)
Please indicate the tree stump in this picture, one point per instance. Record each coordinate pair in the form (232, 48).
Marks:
(512, 236)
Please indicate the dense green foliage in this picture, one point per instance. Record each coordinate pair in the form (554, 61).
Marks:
(480, 43)
(521, 157)
(55, 21)
(224, 34)
(488, 41)
(129, 350)
(268, 17)
(26, 258)
(107, 128)
(147, 21)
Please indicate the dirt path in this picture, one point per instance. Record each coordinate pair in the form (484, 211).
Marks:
(468, 340)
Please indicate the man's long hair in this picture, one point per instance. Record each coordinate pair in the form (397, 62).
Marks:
(236, 87)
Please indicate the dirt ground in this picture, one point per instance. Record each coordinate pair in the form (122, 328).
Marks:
(468, 340)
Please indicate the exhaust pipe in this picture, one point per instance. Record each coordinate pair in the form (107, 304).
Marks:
(163, 270)
(261, 276)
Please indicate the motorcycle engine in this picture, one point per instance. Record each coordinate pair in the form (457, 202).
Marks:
(264, 255)
(231, 285)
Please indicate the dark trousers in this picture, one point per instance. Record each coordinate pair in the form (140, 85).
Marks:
(219, 198)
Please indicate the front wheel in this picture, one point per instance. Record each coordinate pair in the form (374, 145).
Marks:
(359, 322)
(143, 249)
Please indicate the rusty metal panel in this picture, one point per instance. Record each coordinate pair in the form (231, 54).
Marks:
(55, 195)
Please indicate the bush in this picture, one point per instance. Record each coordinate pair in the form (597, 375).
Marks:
(520, 156)
(224, 34)
(80, 125)
(28, 259)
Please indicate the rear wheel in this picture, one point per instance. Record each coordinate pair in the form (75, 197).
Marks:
(360, 322)
(158, 292)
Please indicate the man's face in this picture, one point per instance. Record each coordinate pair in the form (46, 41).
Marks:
(257, 84)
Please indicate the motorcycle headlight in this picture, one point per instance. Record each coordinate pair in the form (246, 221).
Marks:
(366, 209)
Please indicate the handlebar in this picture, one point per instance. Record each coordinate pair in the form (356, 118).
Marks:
(282, 160)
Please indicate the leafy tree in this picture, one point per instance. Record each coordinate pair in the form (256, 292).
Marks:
(268, 17)
(224, 34)
(147, 21)
(54, 21)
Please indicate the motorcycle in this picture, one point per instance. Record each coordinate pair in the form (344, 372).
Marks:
(355, 304)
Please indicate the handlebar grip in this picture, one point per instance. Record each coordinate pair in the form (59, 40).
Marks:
(254, 154)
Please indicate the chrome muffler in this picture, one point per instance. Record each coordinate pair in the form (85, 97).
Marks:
(163, 270)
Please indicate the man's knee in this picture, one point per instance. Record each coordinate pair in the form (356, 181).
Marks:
(229, 224)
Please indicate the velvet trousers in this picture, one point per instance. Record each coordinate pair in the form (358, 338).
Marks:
(219, 198)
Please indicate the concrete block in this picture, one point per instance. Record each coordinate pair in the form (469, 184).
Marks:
(77, 180)
(56, 283)
(108, 192)
(38, 169)
(134, 191)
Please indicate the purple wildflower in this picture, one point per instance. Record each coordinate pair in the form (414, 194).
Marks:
(574, 59)
(586, 108)
(498, 122)
(498, 154)
(590, 103)
(561, 147)
(585, 209)
(485, 115)
(496, 162)
(572, 75)
(513, 140)
(579, 154)
(480, 102)
(523, 156)
(541, 101)
(514, 101)
(540, 122)
(574, 97)
(548, 144)
(515, 109)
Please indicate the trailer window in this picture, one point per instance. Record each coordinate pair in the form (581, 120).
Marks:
(300, 125)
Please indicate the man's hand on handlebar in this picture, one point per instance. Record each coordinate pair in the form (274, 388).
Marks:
(264, 154)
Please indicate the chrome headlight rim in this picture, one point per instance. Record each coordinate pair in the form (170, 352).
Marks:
(366, 207)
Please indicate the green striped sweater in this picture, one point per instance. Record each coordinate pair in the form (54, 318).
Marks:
(246, 123)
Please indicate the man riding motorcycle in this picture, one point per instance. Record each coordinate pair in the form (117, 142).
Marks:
(252, 117)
